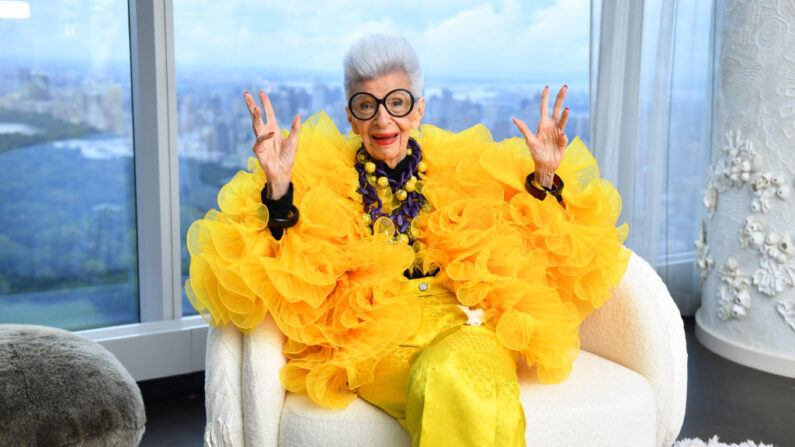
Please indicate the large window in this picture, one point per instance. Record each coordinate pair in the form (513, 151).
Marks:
(483, 62)
(81, 80)
(68, 250)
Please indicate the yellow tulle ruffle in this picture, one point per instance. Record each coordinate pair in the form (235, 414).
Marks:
(334, 289)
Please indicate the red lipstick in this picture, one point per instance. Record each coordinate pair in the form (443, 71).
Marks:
(384, 139)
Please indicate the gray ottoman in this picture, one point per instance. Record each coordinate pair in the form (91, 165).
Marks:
(58, 389)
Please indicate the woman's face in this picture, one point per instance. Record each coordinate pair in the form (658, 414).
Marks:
(386, 137)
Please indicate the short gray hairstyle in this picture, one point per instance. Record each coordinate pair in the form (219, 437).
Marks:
(377, 55)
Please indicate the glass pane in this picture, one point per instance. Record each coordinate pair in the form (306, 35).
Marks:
(68, 255)
(484, 62)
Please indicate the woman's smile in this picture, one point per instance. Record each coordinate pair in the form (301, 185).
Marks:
(385, 138)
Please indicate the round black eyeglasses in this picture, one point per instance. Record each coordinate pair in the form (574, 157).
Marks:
(398, 103)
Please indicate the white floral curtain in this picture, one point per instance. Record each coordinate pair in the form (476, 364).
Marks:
(651, 96)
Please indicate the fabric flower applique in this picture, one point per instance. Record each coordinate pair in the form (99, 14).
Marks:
(474, 316)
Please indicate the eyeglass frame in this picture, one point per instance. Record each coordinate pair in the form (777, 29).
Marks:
(381, 101)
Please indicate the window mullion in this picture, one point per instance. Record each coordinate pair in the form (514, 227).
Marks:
(173, 157)
(154, 134)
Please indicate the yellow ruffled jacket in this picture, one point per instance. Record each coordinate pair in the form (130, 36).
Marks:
(333, 288)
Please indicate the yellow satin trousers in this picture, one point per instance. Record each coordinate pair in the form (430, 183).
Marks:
(450, 384)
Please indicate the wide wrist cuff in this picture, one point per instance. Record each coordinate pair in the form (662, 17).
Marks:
(283, 214)
(540, 193)
(286, 222)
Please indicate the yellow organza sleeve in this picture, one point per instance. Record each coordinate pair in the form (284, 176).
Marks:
(537, 268)
(329, 284)
(224, 246)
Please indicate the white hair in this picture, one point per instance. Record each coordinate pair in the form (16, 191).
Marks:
(377, 55)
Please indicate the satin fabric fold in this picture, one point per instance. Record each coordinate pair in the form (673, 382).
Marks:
(449, 383)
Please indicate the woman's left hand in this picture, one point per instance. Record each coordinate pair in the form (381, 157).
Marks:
(549, 141)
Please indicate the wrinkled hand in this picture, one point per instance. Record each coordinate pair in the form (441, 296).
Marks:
(549, 141)
(276, 154)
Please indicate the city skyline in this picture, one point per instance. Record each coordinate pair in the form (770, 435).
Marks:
(85, 117)
(102, 99)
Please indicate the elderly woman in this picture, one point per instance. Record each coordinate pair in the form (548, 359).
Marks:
(408, 265)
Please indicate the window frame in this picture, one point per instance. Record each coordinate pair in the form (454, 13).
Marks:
(164, 343)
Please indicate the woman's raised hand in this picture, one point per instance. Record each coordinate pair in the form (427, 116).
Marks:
(276, 154)
(549, 141)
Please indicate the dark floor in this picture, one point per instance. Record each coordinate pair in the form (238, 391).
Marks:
(723, 398)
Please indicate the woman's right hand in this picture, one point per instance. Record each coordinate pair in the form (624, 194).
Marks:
(276, 154)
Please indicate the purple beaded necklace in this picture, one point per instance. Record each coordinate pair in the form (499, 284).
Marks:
(402, 216)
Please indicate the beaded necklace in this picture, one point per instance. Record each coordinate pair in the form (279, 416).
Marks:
(407, 200)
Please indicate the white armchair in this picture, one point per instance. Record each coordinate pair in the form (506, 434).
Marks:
(627, 387)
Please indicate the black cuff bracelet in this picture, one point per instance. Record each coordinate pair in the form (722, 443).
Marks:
(287, 222)
(540, 194)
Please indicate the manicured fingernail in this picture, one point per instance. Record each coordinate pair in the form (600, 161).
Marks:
(271, 133)
(565, 86)
(566, 108)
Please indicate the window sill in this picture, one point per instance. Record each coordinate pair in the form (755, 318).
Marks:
(156, 349)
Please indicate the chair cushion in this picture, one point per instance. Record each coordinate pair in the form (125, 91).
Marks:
(601, 403)
(59, 389)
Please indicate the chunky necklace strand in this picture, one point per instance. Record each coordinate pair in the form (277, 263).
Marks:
(372, 175)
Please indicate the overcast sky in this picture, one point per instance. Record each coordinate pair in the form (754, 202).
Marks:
(503, 38)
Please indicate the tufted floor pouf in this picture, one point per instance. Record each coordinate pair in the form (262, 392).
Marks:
(59, 389)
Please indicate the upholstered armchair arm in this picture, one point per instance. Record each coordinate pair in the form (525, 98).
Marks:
(222, 371)
(242, 378)
(640, 328)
